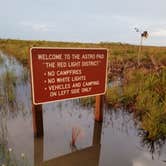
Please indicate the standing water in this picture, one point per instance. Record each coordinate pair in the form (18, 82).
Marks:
(71, 137)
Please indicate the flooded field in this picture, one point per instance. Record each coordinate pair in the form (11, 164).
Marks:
(71, 137)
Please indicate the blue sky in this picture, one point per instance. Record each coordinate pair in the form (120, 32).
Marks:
(84, 20)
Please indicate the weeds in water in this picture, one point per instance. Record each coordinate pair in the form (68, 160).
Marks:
(86, 101)
(146, 93)
(9, 83)
(8, 158)
(1, 60)
(25, 76)
(154, 123)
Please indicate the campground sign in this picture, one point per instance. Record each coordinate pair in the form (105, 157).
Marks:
(66, 73)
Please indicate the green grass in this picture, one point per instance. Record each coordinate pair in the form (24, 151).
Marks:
(117, 51)
(146, 93)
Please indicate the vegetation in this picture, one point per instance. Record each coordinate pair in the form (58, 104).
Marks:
(9, 81)
(146, 95)
(8, 158)
(118, 52)
(143, 87)
(1, 60)
(87, 101)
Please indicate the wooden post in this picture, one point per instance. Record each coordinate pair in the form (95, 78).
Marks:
(99, 108)
(37, 120)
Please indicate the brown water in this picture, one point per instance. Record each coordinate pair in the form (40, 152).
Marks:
(116, 142)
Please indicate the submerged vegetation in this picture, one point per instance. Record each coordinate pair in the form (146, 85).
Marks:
(9, 81)
(143, 89)
(1, 60)
(8, 158)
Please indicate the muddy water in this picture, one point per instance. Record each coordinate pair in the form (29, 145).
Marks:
(71, 137)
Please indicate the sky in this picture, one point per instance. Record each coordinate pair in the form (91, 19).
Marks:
(84, 20)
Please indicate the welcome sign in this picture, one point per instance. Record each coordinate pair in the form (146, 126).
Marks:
(66, 73)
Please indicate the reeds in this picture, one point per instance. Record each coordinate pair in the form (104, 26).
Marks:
(146, 95)
(9, 83)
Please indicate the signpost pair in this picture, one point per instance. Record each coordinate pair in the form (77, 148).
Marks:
(66, 73)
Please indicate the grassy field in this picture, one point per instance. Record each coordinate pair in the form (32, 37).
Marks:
(143, 87)
(117, 51)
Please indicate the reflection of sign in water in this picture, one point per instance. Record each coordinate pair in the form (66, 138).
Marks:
(80, 157)
(59, 73)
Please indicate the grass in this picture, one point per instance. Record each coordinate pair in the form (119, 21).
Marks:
(146, 95)
(1, 60)
(87, 101)
(9, 82)
(117, 51)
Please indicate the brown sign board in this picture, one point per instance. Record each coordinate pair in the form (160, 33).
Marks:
(66, 73)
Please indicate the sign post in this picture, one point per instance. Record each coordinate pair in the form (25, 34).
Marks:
(37, 114)
(99, 108)
(67, 73)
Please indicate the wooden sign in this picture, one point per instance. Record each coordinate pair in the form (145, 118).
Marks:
(66, 73)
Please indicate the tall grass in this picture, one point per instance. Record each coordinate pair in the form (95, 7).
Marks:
(9, 83)
(117, 51)
(1, 60)
(146, 94)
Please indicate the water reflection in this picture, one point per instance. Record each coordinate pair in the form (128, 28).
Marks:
(154, 147)
(122, 143)
(76, 132)
(88, 156)
(13, 78)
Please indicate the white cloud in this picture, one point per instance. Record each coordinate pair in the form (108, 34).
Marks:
(159, 33)
(40, 27)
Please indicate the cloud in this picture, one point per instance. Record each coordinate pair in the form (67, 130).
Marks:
(39, 27)
(159, 33)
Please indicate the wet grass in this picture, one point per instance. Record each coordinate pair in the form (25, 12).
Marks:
(86, 101)
(9, 83)
(25, 75)
(145, 94)
(1, 60)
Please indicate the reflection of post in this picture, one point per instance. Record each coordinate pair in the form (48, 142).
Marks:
(97, 133)
(38, 151)
(97, 141)
(37, 120)
(99, 108)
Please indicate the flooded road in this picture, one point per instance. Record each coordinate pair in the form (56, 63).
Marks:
(71, 137)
